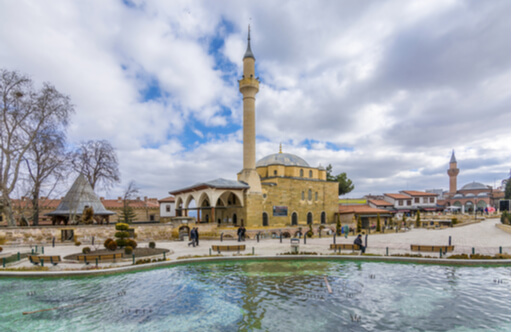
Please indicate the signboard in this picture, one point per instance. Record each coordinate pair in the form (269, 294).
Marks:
(280, 211)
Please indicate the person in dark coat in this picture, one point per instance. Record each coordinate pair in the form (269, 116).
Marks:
(243, 233)
(192, 237)
(239, 233)
(196, 233)
(359, 241)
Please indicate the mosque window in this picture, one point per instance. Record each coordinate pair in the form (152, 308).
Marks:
(275, 172)
(322, 218)
(301, 173)
(310, 174)
(264, 195)
(303, 196)
(310, 195)
(316, 196)
(416, 199)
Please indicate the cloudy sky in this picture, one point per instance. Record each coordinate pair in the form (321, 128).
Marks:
(382, 90)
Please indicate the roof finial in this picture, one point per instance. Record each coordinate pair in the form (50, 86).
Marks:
(453, 160)
(280, 148)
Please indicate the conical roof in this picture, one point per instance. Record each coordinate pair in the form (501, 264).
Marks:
(78, 197)
(453, 160)
(248, 52)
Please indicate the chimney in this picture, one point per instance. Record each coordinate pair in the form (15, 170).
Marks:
(102, 198)
(138, 198)
(145, 198)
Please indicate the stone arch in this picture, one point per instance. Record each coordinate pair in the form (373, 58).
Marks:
(232, 198)
(265, 219)
(457, 203)
(189, 199)
(204, 200)
(481, 204)
(310, 218)
(295, 219)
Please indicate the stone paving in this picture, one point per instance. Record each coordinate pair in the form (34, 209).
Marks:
(485, 237)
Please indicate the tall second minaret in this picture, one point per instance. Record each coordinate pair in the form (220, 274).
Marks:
(453, 171)
(249, 86)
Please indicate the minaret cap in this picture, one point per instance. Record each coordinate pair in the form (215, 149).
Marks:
(248, 52)
(453, 160)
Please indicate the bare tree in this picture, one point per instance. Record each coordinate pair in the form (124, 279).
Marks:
(97, 160)
(47, 163)
(127, 214)
(25, 112)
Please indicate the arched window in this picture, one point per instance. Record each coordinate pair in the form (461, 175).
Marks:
(275, 172)
(316, 196)
(310, 195)
(303, 196)
(265, 219)
(294, 219)
(322, 218)
(301, 173)
(234, 218)
(310, 218)
(310, 174)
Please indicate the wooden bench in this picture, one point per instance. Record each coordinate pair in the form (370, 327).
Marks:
(101, 258)
(344, 246)
(445, 249)
(36, 260)
(228, 248)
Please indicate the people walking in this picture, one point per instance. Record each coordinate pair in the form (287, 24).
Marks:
(192, 237)
(196, 233)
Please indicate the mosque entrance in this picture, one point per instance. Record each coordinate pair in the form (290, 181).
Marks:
(265, 219)
(294, 219)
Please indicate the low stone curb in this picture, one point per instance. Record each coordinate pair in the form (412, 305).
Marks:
(142, 267)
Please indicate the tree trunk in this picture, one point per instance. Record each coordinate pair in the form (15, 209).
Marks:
(35, 206)
(11, 222)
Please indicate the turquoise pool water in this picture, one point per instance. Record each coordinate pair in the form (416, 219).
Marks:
(267, 296)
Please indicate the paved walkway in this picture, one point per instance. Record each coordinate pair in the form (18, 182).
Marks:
(485, 237)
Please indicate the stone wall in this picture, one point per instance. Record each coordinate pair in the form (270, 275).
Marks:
(288, 192)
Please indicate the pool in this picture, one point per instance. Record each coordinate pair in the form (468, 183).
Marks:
(289, 295)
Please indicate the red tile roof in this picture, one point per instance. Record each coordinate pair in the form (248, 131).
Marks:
(380, 202)
(169, 199)
(398, 196)
(418, 193)
(360, 209)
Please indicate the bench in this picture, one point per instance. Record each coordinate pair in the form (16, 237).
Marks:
(445, 249)
(228, 248)
(105, 257)
(36, 260)
(344, 246)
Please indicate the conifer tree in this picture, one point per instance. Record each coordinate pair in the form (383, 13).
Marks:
(378, 223)
(359, 224)
(418, 221)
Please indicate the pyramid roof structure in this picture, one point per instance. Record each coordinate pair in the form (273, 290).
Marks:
(80, 195)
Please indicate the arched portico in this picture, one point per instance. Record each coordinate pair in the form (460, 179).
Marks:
(213, 204)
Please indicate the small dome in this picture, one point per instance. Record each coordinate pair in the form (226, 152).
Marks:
(285, 159)
(482, 195)
(458, 196)
(473, 186)
(470, 195)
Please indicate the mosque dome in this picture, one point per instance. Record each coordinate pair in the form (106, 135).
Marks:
(473, 186)
(286, 159)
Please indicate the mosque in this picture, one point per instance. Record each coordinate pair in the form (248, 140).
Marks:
(471, 196)
(281, 189)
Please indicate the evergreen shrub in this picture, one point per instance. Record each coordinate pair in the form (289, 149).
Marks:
(128, 250)
(152, 245)
(86, 250)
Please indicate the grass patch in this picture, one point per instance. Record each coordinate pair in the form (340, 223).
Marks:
(26, 268)
(479, 256)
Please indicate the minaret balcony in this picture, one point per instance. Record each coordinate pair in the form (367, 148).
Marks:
(249, 82)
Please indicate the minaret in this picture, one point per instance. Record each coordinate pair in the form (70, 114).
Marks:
(249, 86)
(453, 171)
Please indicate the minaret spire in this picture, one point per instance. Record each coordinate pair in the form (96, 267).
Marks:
(248, 52)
